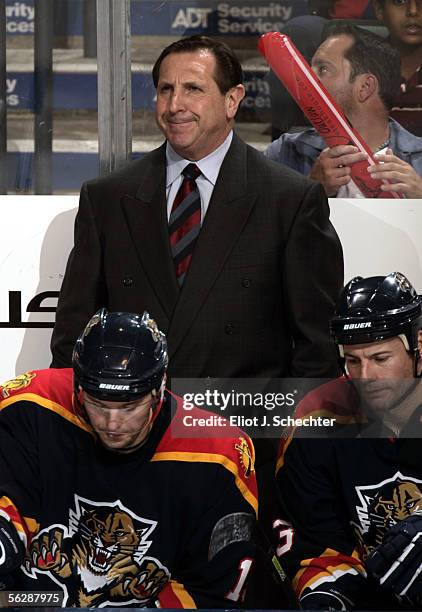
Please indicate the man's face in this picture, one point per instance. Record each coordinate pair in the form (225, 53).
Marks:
(403, 18)
(192, 113)
(384, 370)
(121, 426)
(333, 69)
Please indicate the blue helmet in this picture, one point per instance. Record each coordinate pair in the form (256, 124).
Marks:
(120, 356)
(376, 308)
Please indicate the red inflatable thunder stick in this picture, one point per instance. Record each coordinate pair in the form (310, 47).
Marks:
(317, 104)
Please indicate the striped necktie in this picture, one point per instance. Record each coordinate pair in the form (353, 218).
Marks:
(185, 221)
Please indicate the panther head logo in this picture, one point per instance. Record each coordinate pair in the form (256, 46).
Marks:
(396, 501)
(382, 506)
(109, 537)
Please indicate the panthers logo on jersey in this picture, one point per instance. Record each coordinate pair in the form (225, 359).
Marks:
(383, 505)
(99, 559)
(245, 457)
(16, 384)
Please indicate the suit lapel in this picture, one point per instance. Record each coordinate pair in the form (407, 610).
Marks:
(227, 214)
(146, 216)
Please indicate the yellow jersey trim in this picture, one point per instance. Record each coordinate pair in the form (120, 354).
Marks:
(182, 595)
(211, 458)
(46, 403)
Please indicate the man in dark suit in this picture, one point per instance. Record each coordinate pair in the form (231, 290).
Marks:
(267, 264)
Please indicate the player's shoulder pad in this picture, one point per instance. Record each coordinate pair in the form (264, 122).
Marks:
(225, 445)
(334, 399)
(212, 438)
(39, 386)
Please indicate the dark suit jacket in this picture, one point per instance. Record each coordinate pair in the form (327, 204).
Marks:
(265, 274)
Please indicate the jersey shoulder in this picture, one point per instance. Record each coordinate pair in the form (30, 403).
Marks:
(49, 388)
(202, 431)
(216, 442)
(336, 399)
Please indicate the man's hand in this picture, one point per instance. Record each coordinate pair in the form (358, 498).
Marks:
(402, 177)
(397, 562)
(333, 167)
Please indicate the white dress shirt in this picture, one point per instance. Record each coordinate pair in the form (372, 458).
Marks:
(209, 167)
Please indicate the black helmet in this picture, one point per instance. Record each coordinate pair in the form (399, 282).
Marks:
(376, 308)
(119, 356)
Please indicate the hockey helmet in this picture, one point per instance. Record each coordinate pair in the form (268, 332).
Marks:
(376, 308)
(120, 356)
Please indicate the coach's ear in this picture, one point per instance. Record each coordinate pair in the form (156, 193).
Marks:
(234, 97)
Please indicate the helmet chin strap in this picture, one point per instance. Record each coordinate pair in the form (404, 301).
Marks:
(162, 388)
(154, 411)
(79, 405)
(414, 354)
(416, 360)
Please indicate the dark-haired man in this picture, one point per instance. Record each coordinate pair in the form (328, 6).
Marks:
(362, 73)
(350, 526)
(101, 501)
(225, 257)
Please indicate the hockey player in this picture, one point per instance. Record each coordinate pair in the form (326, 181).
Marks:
(350, 532)
(100, 502)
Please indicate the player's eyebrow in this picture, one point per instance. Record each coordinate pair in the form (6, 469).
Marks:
(382, 353)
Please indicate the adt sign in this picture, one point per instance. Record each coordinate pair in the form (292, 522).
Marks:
(191, 17)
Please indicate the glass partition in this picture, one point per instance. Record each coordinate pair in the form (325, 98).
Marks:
(74, 114)
(265, 112)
